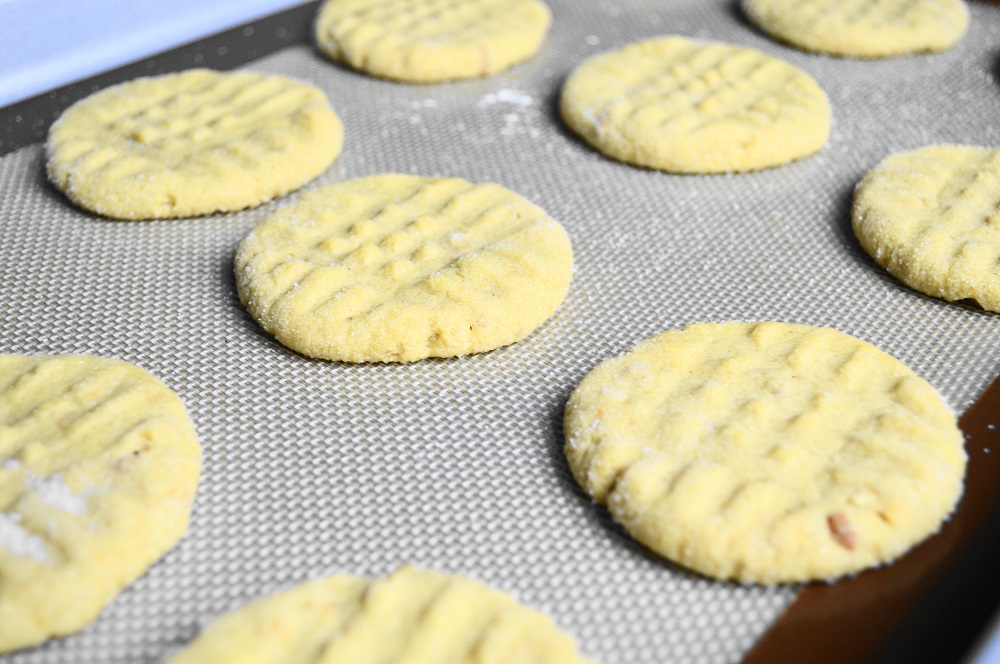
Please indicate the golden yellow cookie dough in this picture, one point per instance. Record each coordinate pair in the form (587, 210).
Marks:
(426, 41)
(98, 468)
(191, 144)
(930, 217)
(413, 616)
(396, 268)
(686, 106)
(766, 452)
(862, 28)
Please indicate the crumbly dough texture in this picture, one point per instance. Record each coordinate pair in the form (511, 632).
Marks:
(98, 468)
(192, 144)
(686, 106)
(395, 268)
(425, 41)
(862, 28)
(766, 452)
(931, 217)
(414, 616)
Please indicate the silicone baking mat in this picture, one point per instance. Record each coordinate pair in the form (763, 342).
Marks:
(314, 467)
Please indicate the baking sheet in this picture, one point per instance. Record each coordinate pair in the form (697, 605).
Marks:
(314, 467)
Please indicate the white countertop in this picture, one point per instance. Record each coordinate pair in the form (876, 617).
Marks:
(49, 43)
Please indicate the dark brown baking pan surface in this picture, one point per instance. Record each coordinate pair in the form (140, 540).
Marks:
(933, 604)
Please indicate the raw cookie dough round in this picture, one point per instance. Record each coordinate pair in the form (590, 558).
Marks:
(191, 144)
(685, 106)
(413, 616)
(766, 452)
(862, 28)
(425, 41)
(395, 268)
(98, 468)
(930, 217)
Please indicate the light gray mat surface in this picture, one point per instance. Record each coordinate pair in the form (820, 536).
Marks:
(314, 467)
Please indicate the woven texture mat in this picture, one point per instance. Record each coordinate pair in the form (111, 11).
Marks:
(314, 468)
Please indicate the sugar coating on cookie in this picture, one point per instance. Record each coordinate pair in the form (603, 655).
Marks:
(766, 452)
(862, 28)
(413, 616)
(686, 106)
(98, 468)
(425, 41)
(191, 144)
(931, 217)
(395, 268)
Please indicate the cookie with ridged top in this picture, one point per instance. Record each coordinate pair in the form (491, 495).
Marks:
(425, 41)
(191, 144)
(766, 452)
(862, 28)
(413, 616)
(98, 468)
(931, 217)
(686, 106)
(395, 268)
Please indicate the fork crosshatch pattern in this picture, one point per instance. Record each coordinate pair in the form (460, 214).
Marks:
(691, 107)
(862, 28)
(192, 143)
(396, 268)
(429, 41)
